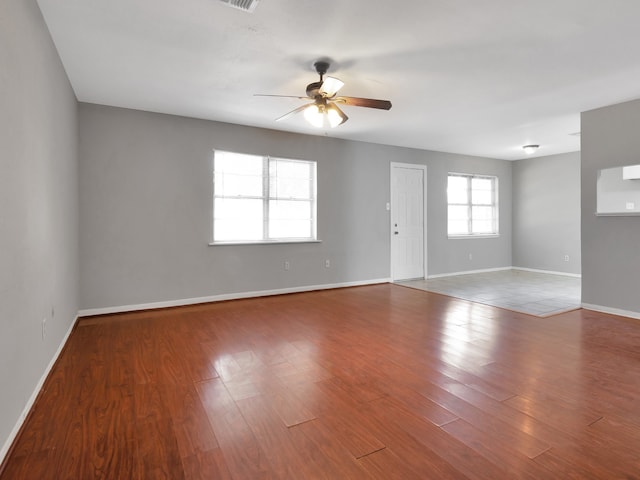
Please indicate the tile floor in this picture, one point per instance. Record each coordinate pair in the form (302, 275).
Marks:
(534, 293)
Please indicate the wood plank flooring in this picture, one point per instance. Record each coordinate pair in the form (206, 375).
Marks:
(377, 382)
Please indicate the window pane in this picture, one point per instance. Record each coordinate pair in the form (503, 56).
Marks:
(290, 229)
(475, 196)
(458, 213)
(482, 227)
(458, 228)
(290, 179)
(482, 197)
(458, 220)
(290, 219)
(482, 213)
(242, 189)
(237, 175)
(482, 191)
(457, 189)
(479, 183)
(231, 185)
(238, 163)
(237, 219)
(483, 221)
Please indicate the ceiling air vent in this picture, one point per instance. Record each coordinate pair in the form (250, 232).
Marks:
(246, 5)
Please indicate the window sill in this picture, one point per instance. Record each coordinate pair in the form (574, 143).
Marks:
(471, 237)
(262, 242)
(618, 214)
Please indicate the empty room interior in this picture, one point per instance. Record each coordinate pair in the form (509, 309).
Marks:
(252, 239)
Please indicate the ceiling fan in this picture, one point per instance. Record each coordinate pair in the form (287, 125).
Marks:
(323, 111)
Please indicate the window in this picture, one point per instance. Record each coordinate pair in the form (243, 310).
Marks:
(260, 199)
(473, 205)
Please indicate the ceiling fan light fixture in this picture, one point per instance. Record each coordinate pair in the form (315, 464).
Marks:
(323, 116)
(529, 149)
(324, 111)
(334, 116)
(314, 116)
(330, 86)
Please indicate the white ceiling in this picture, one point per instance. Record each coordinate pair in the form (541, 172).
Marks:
(465, 76)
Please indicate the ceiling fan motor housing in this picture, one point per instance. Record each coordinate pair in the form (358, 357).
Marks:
(322, 67)
(313, 89)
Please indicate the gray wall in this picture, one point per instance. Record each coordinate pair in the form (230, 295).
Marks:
(610, 254)
(546, 213)
(38, 206)
(145, 191)
(452, 255)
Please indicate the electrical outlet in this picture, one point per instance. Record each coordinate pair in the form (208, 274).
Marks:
(470, 256)
(287, 265)
(44, 328)
(327, 263)
(566, 258)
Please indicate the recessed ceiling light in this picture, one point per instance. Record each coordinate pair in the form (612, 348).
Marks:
(529, 149)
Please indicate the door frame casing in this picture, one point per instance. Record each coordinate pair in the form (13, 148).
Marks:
(415, 166)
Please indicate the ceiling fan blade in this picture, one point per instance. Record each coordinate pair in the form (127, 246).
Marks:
(293, 112)
(364, 102)
(330, 86)
(340, 116)
(281, 96)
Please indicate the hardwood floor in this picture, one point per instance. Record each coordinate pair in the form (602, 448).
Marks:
(371, 382)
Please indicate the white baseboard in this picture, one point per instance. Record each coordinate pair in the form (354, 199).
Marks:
(226, 296)
(550, 272)
(487, 270)
(612, 311)
(27, 408)
(469, 272)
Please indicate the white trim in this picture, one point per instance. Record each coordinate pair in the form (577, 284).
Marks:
(473, 236)
(488, 270)
(263, 242)
(468, 272)
(620, 214)
(34, 395)
(226, 296)
(535, 270)
(612, 311)
(425, 256)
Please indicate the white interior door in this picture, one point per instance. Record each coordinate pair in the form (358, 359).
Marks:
(408, 194)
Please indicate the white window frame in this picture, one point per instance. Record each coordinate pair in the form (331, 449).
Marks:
(469, 204)
(266, 197)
